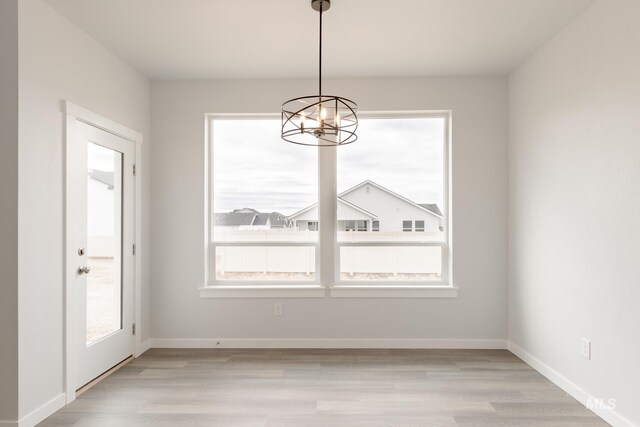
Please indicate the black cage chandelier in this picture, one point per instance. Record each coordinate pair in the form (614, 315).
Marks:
(320, 120)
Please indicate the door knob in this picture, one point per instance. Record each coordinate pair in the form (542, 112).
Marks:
(83, 270)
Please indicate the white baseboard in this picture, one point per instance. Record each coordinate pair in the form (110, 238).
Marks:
(142, 347)
(609, 415)
(44, 411)
(331, 343)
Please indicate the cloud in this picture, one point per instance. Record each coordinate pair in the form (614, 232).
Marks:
(253, 167)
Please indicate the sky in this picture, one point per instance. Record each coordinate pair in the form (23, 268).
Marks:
(253, 167)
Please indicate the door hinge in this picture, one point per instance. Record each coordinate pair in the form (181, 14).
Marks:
(134, 169)
(133, 329)
(134, 248)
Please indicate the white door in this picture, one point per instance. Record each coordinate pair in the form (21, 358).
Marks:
(100, 221)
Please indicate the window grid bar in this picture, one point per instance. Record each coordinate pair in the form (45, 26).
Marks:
(385, 244)
(264, 244)
(310, 284)
(386, 285)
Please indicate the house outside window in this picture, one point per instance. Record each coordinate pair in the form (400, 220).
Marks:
(276, 232)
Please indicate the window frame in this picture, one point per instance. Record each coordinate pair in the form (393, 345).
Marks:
(327, 248)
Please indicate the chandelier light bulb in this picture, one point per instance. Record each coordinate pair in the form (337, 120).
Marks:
(323, 113)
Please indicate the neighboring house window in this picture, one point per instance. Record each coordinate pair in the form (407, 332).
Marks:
(266, 224)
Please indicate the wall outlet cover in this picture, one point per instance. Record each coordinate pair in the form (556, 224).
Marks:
(277, 309)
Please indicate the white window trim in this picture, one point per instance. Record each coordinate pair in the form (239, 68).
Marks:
(405, 290)
(327, 282)
(259, 290)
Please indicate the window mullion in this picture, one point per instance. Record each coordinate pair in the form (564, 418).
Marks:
(328, 205)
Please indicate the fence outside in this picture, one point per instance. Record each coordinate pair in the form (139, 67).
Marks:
(299, 261)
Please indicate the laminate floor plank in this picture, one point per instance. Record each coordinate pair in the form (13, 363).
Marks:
(321, 388)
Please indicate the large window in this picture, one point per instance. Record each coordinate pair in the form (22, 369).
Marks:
(387, 224)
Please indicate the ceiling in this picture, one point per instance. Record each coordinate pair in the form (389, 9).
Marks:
(212, 39)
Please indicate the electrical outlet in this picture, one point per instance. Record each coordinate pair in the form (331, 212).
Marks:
(585, 348)
(277, 309)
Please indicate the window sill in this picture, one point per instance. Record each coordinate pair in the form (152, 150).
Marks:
(342, 291)
(262, 291)
(393, 291)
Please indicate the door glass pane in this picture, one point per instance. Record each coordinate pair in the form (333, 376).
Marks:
(104, 242)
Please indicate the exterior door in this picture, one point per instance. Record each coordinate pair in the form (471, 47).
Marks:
(100, 221)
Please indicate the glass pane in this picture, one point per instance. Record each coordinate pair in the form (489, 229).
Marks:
(264, 189)
(391, 263)
(391, 180)
(104, 237)
(238, 263)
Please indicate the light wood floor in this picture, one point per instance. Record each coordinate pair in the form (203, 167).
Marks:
(390, 388)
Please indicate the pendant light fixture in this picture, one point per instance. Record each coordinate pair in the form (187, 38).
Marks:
(320, 120)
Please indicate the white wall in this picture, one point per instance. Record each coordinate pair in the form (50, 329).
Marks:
(58, 62)
(479, 215)
(8, 210)
(574, 158)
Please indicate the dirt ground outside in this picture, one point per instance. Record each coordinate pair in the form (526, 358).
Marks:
(103, 299)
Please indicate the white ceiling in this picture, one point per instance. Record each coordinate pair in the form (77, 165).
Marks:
(203, 39)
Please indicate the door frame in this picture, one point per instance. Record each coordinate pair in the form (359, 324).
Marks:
(74, 114)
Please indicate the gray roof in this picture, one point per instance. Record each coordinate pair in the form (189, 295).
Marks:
(248, 216)
(278, 220)
(261, 219)
(234, 218)
(432, 207)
